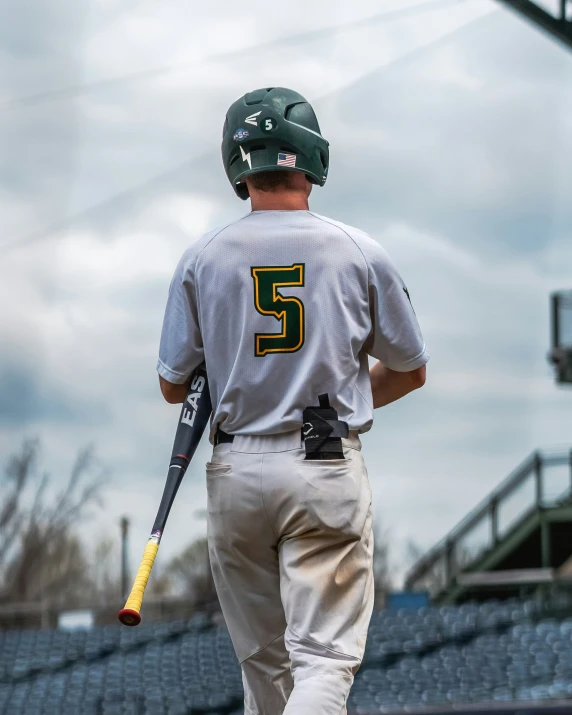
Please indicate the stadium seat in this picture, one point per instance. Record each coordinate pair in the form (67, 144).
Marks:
(473, 653)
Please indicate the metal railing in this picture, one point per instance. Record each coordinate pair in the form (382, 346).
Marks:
(558, 24)
(543, 480)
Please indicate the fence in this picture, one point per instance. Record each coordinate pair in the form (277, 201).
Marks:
(47, 615)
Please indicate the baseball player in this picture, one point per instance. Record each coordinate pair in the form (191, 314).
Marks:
(285, 306)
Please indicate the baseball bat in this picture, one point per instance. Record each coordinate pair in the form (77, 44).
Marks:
(194, 418)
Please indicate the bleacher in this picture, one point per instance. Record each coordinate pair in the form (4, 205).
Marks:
(524, 525)
(163, 668)
(475, 653)
(486, 653)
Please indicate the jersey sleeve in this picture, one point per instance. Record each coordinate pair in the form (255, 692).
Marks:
(396, 339)
(181, 348)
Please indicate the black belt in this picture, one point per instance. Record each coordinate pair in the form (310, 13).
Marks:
(223, 438)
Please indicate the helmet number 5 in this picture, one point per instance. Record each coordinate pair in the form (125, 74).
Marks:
(286, 309)
(268, 125)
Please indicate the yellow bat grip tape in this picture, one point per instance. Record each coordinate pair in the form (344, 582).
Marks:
(136, 596)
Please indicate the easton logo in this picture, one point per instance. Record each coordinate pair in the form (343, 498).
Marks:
(252, 119)
(189, 414)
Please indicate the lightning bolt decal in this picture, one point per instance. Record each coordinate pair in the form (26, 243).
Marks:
(246, 157)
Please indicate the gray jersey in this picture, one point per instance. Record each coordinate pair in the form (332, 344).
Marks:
(284, 306)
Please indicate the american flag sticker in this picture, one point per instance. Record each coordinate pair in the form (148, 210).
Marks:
(286, 159)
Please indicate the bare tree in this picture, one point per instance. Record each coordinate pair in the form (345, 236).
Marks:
(161, 583)
(41, 557)
(190, 575)
(383, 572)
(414, 552)
(104, 572)
(435, 577)
(439, 574)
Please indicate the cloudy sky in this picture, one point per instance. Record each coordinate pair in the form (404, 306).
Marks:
(450, 124)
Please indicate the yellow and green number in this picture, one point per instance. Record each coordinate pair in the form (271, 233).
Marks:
(286, 309)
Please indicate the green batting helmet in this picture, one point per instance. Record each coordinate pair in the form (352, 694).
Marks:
(273, 129)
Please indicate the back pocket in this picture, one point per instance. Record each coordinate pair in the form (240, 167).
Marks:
(332, 495)
(215, 468)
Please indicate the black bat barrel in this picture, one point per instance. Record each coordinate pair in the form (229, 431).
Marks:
(195, 415)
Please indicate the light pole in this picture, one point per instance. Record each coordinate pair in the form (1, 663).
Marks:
(124, 557)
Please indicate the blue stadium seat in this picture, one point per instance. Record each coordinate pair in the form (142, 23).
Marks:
(490, 652)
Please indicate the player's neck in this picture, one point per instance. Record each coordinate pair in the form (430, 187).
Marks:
(279, 200)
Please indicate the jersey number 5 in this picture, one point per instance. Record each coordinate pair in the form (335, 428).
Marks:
(288, 310)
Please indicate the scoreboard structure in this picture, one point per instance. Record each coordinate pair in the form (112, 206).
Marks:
(560, 354)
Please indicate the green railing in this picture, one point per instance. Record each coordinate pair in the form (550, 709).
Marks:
(542, 480)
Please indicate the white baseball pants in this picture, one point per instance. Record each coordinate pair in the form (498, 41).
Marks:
(291, 549)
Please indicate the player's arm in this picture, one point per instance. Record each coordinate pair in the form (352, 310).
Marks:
(174, 394)
(181, 347)
(396, 340)
(388, 385)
